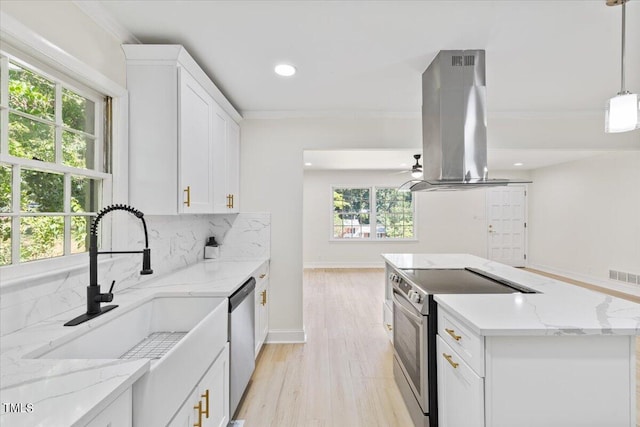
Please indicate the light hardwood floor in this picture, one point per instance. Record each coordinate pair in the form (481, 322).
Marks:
(343, 375)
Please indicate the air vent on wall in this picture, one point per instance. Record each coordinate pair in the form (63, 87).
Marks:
(466, 60)
(623, 276)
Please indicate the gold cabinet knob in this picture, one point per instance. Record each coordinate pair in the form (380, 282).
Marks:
(453, 334)
(450, 360)
(188, 191)
(199, 408)
(206, 405)
(389, 327)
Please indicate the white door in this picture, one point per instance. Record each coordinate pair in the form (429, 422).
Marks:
(506, 224)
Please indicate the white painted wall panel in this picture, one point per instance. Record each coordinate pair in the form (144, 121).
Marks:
(585, 216)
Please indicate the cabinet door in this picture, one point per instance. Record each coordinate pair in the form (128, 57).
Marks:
(187, 415)
(214, 392)
(387, 314)
(233, 164)
(262, 313)
(220, 193)
(460, 390)
(119, 413)
(195, 146)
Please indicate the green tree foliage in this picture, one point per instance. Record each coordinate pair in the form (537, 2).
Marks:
(394, 213)
(351, 210)
(42, 237)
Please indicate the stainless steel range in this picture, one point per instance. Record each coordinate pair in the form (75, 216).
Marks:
(415, 329)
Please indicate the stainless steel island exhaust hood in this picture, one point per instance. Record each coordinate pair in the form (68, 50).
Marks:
(454, 124)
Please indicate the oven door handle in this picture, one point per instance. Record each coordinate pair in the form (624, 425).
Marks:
(405, 310)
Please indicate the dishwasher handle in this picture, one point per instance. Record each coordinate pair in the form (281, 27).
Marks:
(241, 294)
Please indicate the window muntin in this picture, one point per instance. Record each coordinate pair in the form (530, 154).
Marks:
(51, 156)
(351, 213)
(394, 214)
(392, 217)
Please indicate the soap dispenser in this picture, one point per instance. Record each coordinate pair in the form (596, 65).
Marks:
(211, 248)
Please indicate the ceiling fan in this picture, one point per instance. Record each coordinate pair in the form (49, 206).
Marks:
(416, 170)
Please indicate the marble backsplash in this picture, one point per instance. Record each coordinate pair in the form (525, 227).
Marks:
(175, 242)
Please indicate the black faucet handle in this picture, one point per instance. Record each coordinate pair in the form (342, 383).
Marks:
(146, 261)
(108, 297)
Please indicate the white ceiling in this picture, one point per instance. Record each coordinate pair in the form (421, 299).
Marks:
(549, 59)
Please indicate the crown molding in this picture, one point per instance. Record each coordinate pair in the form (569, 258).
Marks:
(106, 21)
(328, 114)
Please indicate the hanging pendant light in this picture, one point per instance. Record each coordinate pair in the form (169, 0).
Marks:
(623, 110)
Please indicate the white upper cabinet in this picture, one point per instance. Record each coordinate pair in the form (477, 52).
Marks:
(195, 146)
(181, 135)
(226, 162)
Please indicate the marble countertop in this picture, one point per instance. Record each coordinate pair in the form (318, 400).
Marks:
(72, 392)
(558, 309)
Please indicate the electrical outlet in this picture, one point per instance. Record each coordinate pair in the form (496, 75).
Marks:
(613, 275)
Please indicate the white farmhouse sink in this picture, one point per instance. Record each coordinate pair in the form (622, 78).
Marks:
(161, 391)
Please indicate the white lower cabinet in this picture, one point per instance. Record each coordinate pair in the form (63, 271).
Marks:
(460, 390)
(532, 381)
(119, 413)
(262, 307)
(387, 318)
(208, 403)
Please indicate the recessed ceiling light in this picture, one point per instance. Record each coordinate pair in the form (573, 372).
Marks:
(307, 164)
(285, 70)
(518, 164)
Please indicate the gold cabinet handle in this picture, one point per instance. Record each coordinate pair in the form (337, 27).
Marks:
(206, 406)
(453, 334)
(451, 362)
(262, 275)
(389, 327)
(199, 408)
(229, 201)
(264, 297)
(232, 201)
(188, 191)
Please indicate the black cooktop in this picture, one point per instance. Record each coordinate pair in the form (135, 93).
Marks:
(461, 281)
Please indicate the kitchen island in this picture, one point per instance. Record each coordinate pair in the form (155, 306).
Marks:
(75, 392)
(564, 356)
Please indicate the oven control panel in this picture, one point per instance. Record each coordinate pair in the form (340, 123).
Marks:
(407, 289)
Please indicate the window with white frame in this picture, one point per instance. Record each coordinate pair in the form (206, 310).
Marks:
(372, 213)
(52, 162)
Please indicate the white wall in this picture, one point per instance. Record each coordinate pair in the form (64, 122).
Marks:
(63, 24)
(272, 181)
(585, 218)
(445, 221)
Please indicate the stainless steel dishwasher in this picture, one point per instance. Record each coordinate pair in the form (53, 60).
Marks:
(241, 341)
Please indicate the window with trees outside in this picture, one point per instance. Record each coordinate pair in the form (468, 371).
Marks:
(372, 213)
(52, 157)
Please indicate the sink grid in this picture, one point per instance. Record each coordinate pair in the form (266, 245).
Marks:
(154, 346)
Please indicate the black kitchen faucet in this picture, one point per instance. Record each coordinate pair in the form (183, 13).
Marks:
(94, 297)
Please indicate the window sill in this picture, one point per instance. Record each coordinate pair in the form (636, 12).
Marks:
(22, 276)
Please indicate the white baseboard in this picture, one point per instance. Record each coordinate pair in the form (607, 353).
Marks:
(605, 283)
(286, 336)
(379, 264)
